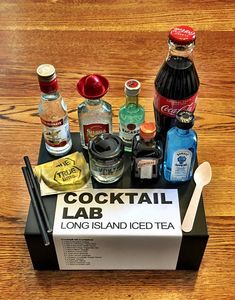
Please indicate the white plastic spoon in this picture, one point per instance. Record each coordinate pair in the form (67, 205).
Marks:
(202, 177)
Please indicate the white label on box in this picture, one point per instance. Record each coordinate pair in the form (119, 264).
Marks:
(118, 229)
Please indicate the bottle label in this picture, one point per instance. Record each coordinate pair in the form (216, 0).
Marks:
(56, 133)
(170, 107)
(145, 166)
(52, 123)
(107, 169)
(127, 132)
(181, 164)
(92, 130)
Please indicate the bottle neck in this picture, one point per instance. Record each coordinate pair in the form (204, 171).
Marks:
(132, 100)
(93, 102)
(54, 95)
(185, 51)
(147, 139)
(182, 131)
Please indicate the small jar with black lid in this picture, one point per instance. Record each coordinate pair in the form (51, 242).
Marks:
(106, 155)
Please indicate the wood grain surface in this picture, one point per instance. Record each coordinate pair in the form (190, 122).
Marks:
(121, 40)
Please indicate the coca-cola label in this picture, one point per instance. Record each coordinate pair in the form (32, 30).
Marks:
(170, 107)
(92, 130)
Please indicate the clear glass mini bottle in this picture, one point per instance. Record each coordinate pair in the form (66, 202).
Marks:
(147, 153)
(181, 148)
(94, 114)
(131, 114)
(52, 112)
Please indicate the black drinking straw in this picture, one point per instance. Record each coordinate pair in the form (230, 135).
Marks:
(36, 208)
(35, 187)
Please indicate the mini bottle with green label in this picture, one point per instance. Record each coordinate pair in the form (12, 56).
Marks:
(181, 148)
(131, 114)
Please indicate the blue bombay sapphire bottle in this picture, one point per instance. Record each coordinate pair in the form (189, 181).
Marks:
(181, 148)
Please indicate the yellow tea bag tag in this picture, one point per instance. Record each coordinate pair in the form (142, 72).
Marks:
(70, 172)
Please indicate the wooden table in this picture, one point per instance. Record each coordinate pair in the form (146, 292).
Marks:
(121, 40)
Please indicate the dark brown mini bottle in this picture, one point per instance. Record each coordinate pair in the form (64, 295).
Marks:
(147, 153)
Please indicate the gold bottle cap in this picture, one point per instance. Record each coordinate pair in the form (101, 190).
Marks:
(46, 72)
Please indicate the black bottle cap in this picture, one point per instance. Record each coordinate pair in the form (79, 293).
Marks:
(106, 146)
(184, 119)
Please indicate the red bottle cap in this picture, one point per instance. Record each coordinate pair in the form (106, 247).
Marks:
(182, 35)
(92, 86)
(148, 130)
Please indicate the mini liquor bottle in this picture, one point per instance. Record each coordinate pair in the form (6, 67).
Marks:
(94, 114)
(147, 153)
(52, 112)
(180, 150)
(131, 114)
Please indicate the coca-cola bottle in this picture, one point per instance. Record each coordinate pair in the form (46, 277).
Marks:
(177, 82)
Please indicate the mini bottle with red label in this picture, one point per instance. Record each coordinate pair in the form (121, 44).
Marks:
(53, 113)
(177, 83)
(94, 114)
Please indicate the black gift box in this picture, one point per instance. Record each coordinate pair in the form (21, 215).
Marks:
(193, 243)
